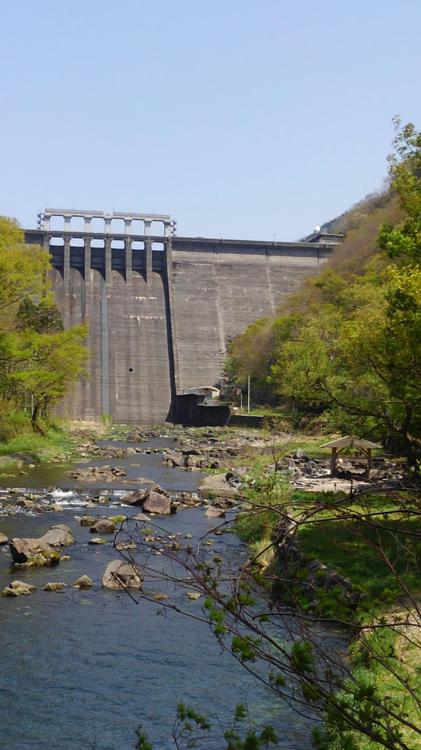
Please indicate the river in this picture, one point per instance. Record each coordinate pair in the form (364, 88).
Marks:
(82, 669)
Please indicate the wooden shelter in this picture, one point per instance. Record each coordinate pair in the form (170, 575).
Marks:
(350, 441)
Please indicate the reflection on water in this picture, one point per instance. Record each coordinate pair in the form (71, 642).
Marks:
(81, 670)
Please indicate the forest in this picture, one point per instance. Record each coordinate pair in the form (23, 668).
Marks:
(345, 349)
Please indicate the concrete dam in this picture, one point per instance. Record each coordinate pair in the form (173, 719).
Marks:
(160, 309)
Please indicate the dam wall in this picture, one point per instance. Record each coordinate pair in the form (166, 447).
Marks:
(220, 288)
(161, 309)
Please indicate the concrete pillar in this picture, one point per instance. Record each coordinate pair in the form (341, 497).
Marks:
(171, 326)
(128, 265)
(87, 227)
(127, 226)
(105, 330)
(147, 225)
(67, 220)
(87, 259)
(107, 225)
(148, 253)
(66, 281)
(107, 260)
(105, 350)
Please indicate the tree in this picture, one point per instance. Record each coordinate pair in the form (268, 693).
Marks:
(350, 343)
(287, 634)
(46, 366)
(39, 361)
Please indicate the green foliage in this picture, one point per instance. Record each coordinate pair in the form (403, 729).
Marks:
(142, 742)
(349, 342)
(362, 552)
(302, 658)
(191, 728)
(266, 494)
(42, 317)
(244, 647)
(39, 361)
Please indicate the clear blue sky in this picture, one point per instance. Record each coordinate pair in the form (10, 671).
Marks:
(240, 118)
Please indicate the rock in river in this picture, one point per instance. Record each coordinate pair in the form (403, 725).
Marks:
(3, 538)
(157, 503)
(58, 536)
(40, 551)
(87, 520)
(23, 550)
(18, 588)
(54, 586)
(98, 473)
(119, 575)
(103, 526)
(216, 485)
(136, 498)
(24, 502)
(84, 582)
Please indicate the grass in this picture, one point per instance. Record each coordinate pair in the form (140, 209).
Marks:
(359, 553)
(381, 663)
(39, 447)
(381, 560)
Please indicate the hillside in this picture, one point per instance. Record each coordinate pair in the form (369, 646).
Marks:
(347, 343)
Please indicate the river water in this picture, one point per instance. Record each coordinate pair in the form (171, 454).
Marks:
(82, 669)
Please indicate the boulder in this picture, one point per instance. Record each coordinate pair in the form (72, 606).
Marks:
(216, 485)
(157, 503)
(214, 512)
(160, 490)
(87, 520)
(119, 575)
(136, 498)
(98, 540)
(83, 582)
(192, 451)
(54, 586)
(3, 538)
(193, 461)
(40, 551)
(174, 458)
(58, 536)
(103, 526)
(18, 588)
(23, 550)
(24, 502)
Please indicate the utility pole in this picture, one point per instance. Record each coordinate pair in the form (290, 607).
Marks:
(248, 395)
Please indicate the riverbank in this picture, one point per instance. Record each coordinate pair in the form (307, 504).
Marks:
(354, 560)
